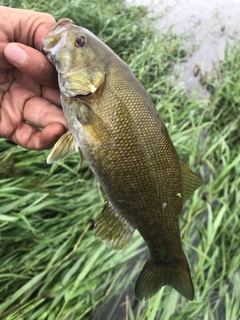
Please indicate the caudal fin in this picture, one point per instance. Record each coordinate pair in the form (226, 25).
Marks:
(154, 276)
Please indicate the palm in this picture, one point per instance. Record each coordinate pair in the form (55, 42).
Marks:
(29, 95)
(24, 100)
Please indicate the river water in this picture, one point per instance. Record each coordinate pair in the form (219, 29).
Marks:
(209, 24)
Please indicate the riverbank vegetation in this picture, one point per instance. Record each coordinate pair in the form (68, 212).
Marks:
(51, 266)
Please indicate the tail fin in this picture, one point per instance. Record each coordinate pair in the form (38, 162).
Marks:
(154, 276)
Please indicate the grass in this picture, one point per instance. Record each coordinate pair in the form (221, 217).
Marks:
(52, 267)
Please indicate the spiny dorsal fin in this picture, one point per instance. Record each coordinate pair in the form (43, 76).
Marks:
(190, 181)
(113, 229)
(63, 148)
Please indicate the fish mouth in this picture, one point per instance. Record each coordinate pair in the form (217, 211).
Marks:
(55, 37)
(75, 92)
(81, 97)
(60, 26)
(88, 97)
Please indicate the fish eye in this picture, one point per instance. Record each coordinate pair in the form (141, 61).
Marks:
(80, 41)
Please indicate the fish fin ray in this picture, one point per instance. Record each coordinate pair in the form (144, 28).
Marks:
(81, 159)
(113, 229)
(154, 276)
(63, 148)
(190, 181)
(95, 126)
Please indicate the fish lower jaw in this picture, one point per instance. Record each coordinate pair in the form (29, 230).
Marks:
(72, 94)
(82, 93)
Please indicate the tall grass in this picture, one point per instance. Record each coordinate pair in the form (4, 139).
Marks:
(52, 267)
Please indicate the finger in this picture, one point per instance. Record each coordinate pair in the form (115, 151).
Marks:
(25, 26)
(32, 138)
(43, 23)
(50, 134)
(32, 63)
(41, 113)
(52, 95)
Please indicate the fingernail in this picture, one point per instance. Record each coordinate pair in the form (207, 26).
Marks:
(15, 54)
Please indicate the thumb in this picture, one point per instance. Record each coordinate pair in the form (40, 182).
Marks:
(32, 63)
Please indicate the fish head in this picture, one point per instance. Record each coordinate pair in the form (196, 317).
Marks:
(76, 54)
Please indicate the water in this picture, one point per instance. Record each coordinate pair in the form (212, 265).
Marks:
(209, 24)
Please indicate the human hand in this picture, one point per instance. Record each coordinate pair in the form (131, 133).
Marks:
(29, 95)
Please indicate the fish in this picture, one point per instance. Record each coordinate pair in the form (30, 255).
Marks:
(115, 126)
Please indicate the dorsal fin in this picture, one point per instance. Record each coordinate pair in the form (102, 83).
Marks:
(190, 181)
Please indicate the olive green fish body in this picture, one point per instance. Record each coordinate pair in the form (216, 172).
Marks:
(127, 146)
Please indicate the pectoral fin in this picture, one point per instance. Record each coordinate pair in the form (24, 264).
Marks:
(113, 229)
(95, 126)
(63, 148)
(190, 181)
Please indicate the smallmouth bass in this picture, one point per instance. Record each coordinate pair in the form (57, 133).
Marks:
(114, 123)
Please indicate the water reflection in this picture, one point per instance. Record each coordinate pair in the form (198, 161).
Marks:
(210, 25)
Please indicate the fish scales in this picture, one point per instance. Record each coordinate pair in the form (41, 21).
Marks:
(113, 121)
(136, 167)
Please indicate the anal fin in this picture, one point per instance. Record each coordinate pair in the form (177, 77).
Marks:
(113, 229)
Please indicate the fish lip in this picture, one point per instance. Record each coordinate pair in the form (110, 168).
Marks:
(61, 26)
(77, 97)
(80, 96)
(72, 94)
